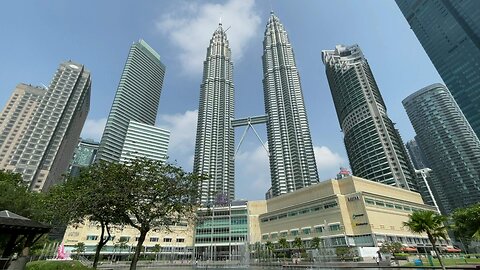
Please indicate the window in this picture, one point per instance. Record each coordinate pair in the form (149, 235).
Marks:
(294, 232)
(124, 239)
(369, 201)
(319, 229)
(92, 237)
(167, 240)
(180, 240)
(306, 231)
(153, 239)
(334, 227)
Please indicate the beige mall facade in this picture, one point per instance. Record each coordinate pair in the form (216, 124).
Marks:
(174, 244)
(351, 212)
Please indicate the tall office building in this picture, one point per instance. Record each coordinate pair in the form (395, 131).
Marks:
(145, 141)
(16, 117)
(449, 144)
(416, 155)
(374, 147)
(83, 156)
(44, 152)
(449, 31)
(214, 147)
(292, 160)
(136, 99)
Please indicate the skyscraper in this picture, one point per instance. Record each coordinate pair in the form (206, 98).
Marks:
(374, 147)
(44, 152)
(449, 31)
(449, 144)
(136, 99)
(16, 117)
(292, 160)
(214, 147)
(83, 156)
(145, 141)
(416, 155)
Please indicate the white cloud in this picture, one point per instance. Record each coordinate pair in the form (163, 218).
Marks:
(182, 128)
(252, 173)
(93, 128)
(328, 162)
(191, 25)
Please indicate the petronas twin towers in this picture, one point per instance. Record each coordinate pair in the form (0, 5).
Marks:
(292, 161)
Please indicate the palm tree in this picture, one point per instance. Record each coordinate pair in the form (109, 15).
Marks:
(79, 248)
(432, 224)
(270, 246)
(156, 249)
(282, 242)
(297, 242)
(316, 242)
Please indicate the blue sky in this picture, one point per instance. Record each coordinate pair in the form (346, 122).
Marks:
(38, 35)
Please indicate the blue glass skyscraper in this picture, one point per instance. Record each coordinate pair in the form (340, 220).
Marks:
(449, 31)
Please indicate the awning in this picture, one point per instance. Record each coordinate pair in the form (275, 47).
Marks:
(453, 250)
(409, 249)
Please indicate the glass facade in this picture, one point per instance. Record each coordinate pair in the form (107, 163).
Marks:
(374, 147)
(221, 232)
(449, 31)
(450, 146)
(136, 99)
(83, 156)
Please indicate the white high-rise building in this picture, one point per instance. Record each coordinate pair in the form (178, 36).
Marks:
(214, 147)
(136, 99)
(292, 160)
(145, 141)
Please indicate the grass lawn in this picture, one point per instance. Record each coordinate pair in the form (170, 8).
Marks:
(448, 261)
(56, 265)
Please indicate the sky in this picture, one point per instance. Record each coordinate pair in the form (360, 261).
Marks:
(37, 36)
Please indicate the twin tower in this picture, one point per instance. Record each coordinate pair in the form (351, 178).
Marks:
(292, 160)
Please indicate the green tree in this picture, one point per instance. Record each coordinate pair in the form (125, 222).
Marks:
(282, 242)
(157, 248)
(391, 247)
(15, 196)
(79, 248)
(466, 224)
(343, 252)
(316, 242)
(298, 243)
(158, 195)
(270, 247)
(95, 196)
(432, 224)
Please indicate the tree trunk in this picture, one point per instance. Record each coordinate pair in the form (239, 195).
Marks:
(100, 245)
(432, 240)
(141, 239)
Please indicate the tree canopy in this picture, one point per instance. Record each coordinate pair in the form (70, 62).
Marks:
(466, 224)
(15, 196)
(432, 224)
(158, 195)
